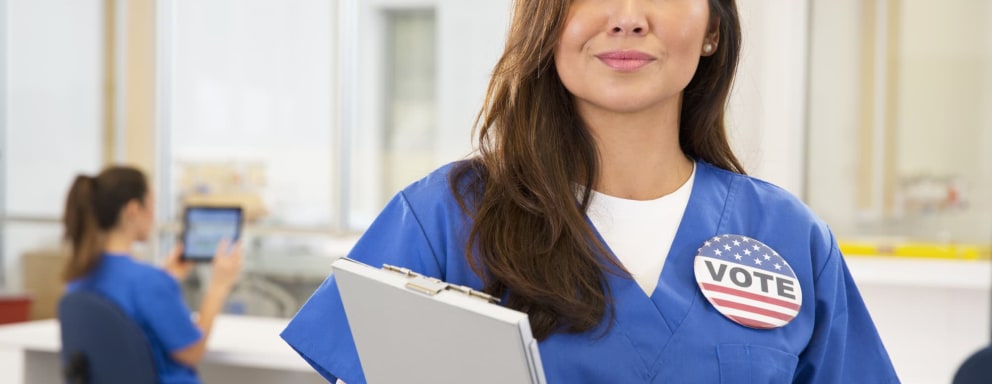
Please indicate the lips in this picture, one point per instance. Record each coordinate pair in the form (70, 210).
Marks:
(626, 61)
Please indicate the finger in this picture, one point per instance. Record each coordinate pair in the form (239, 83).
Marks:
(223, 246)
(238, 250)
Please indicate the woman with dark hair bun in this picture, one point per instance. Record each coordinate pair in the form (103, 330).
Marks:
(104, 216)
(606, 203)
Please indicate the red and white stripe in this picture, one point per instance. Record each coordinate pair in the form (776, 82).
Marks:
(748, 306)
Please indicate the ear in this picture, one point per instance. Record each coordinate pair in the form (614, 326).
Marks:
(131, 210)
(712, 39)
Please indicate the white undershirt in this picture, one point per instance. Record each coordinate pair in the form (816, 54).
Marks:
(640, 232)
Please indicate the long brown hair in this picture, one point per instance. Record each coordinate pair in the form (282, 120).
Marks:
(530, 241)
(93, 207)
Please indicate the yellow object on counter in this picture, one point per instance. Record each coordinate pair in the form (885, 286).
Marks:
(917, 250)
(858, 248)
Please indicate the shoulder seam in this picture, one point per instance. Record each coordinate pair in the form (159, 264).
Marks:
(734, 183)
(423, 233)
(830, 255)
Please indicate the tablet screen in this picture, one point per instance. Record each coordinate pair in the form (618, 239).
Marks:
(206, 227)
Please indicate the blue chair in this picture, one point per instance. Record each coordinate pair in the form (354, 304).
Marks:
(977, 369)
(100, 344)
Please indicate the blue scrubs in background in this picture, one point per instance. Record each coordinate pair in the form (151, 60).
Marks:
(153, 300)
(672, 336)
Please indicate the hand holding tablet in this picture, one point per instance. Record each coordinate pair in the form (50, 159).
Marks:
(204, 229)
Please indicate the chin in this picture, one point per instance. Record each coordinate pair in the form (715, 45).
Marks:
(625, 106)
(631, 102)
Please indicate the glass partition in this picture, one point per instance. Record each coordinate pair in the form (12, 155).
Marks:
(900, 126)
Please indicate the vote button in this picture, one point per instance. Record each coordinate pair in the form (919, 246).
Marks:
(748, 282)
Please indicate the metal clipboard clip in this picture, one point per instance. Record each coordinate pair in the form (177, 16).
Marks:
(431, 286)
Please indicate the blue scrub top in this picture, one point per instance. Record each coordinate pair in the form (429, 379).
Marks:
(152, 298)
(673, 336)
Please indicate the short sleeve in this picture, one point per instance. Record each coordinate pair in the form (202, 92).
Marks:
(162, 309)
(319, 332)
(845, 346)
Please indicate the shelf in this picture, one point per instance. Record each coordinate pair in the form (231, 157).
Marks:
(272, 230)
(917, 272)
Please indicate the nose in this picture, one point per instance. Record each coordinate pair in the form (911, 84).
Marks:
(629, 18)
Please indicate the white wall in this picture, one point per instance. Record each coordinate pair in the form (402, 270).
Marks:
(985, 161)
(835, 69)
(470, 38)
(767, 117)
(55, 100)
(940, 102)
(54, 114)
(254, 81)
(465, 77)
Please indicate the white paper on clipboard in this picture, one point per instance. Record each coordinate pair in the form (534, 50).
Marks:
(414, 329)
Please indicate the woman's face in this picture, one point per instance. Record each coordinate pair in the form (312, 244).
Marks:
(631, 55)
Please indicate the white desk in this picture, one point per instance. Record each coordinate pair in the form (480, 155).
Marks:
(241, 349)
(921, 272)
(931, 313)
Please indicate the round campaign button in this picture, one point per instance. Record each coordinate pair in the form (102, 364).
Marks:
(748, 282)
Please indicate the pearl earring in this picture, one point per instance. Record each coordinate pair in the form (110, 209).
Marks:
(707, 48)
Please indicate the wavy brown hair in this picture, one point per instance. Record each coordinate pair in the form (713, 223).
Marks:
(530, 241)
(92, 208)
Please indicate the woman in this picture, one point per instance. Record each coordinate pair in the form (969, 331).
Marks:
(104, 216)
(602, 197)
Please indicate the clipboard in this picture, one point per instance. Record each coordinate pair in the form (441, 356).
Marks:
(410, 328)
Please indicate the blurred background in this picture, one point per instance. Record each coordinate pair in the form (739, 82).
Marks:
(311, 114)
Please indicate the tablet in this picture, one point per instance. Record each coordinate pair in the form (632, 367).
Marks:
(205, 227)
(410, 328)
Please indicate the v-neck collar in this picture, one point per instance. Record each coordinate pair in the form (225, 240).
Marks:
(650, 322)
